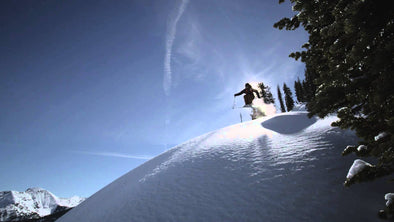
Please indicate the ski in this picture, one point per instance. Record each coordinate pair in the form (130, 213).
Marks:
(241, 107)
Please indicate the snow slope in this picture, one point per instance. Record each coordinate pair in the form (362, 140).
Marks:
(282, 168)
(33, 203)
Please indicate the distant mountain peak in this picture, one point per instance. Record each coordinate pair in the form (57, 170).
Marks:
(33, 203)
(35, 189)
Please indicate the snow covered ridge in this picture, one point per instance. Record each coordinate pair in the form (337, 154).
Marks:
(33, 203)
(285, 167)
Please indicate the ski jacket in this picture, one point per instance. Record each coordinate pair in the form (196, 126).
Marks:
(249, 92)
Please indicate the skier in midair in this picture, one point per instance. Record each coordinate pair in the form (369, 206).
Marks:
(249, 96)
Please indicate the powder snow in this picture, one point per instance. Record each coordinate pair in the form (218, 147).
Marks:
(286, 167)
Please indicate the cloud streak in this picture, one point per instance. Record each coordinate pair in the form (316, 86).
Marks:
(170, 37)
(111, 154)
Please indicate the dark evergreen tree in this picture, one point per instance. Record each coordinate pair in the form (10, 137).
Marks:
(269, 98)
(349, 67)
(282, 105)
(262, 90)
(288, 97)
(308, 85)
(299, 91)
(266, 93)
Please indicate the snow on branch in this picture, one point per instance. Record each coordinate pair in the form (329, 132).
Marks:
(348, 149)
(390, 199)
(358, 171)
(362, 148)
(357, 167)
(381, 136)
(388, 213)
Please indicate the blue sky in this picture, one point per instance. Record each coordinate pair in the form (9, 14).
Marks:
(92, 89)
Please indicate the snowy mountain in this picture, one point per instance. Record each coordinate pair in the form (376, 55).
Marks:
(33, 203)
(285, 167)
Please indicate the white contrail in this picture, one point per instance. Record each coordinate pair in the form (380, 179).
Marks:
(170, 37)
(110, 154)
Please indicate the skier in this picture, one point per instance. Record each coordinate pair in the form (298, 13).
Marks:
(248, 97)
